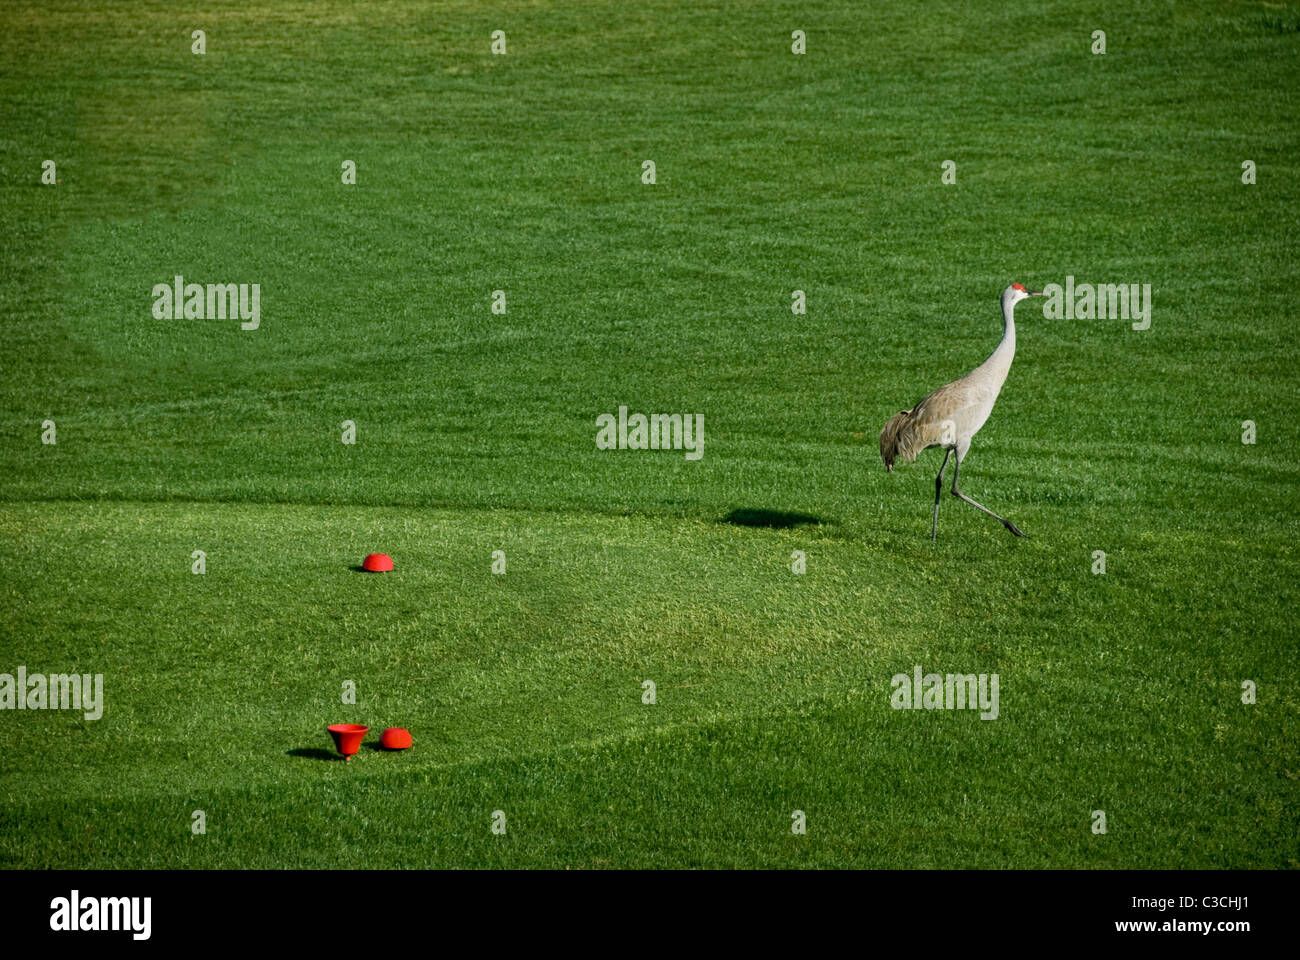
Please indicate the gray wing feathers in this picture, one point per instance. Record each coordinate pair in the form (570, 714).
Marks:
(908, 432)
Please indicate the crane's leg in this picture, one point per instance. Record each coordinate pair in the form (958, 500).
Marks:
(961, 496)
(938, 490)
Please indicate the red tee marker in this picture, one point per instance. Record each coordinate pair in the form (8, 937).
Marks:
(395, 738)
(347, 737)
(378, 563)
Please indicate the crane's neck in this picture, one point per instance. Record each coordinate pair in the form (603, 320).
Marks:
(998, 364)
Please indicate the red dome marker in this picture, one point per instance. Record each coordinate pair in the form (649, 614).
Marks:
(378, 563)
(395, 738)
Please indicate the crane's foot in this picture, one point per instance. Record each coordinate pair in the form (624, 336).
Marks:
(1002, 520)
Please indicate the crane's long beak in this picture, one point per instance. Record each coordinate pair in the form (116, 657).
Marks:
(1035, 293)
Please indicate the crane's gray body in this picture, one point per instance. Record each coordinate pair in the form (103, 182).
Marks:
(952, 415)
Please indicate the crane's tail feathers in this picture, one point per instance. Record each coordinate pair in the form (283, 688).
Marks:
(907, 434)
(890, 437)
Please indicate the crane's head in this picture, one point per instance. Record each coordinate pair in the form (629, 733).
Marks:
(1017, 292)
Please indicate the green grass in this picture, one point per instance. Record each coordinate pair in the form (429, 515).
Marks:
(475, 433)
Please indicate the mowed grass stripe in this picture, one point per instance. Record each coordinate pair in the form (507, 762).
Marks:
(220, 686)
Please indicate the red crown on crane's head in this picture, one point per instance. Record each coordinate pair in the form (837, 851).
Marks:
(1020, 287)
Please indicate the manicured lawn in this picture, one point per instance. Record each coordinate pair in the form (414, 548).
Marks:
(475, 433)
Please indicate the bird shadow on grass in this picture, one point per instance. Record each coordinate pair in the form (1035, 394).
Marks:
(772, 519)
(312, 753)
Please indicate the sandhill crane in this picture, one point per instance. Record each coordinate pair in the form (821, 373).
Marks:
(953, 414)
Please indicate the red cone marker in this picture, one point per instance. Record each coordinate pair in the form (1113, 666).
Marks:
(347, 737)
(378, 563)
